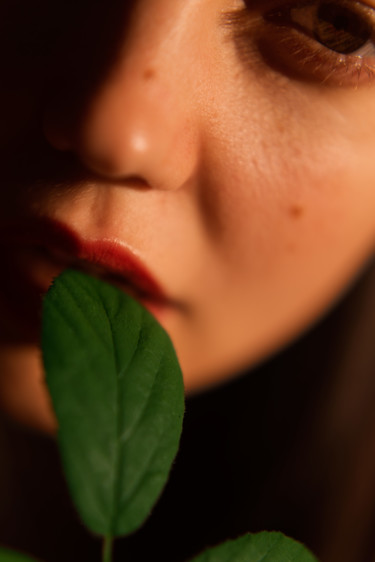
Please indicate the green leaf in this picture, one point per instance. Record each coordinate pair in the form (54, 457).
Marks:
(11, 556)
(261, 547)
(117, 391)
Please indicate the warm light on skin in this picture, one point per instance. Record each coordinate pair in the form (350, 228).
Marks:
(256, 205)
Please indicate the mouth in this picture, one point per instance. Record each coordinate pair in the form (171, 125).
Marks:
(36, 252)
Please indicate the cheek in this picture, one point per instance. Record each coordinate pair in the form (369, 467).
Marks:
(296, 185)
(293, 204)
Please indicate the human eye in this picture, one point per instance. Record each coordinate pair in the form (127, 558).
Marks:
(330, 41)
(323, 41)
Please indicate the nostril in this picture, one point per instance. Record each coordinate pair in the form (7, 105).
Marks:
(55, 130)
(56, 141)
(64, 116)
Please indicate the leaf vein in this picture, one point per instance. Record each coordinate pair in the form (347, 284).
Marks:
(265, 555)
(128, 432)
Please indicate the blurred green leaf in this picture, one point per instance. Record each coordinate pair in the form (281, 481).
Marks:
(11, 556)
(117, 391)
(261, 547)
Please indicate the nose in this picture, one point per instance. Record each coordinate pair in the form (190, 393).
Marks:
(137, 123)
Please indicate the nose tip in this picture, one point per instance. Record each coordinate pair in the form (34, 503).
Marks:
(130, 128)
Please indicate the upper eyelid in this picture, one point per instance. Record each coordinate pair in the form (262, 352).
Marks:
(240, 16)
(242, 21)
(359, 7)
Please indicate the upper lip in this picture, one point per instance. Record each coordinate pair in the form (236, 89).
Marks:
(107, 258)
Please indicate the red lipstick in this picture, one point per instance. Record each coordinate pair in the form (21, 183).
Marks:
(39, 250)
(106, 258)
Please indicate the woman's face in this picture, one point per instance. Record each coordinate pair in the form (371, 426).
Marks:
(217, 156)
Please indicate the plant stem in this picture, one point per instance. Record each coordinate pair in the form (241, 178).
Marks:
(107, 548)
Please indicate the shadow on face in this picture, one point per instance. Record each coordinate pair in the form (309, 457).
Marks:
(49, 50)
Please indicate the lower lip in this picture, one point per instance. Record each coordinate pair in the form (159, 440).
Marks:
(27, 281)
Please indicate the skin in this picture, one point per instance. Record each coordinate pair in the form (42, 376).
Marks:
(245, 185)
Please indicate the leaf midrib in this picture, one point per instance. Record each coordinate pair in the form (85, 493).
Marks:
(118, 428)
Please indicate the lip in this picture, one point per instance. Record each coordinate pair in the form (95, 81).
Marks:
(61, 247)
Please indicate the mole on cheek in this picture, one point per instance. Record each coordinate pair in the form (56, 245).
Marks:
(296, 211)
(149, 74)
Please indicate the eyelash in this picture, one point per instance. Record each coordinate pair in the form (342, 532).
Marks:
(290, 47)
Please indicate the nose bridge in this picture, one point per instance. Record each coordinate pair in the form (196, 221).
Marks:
(139, 118)
(147, 70)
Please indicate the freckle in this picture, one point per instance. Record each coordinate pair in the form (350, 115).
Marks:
(296, 211)
(280, 126)
(149, 74)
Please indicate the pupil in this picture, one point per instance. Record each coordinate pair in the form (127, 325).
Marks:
(340, 29)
